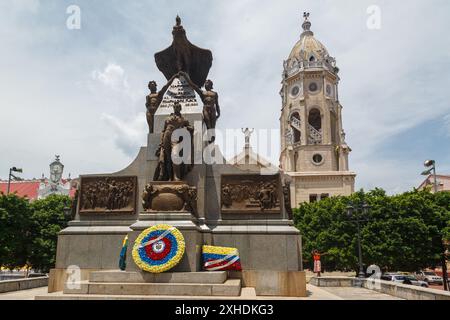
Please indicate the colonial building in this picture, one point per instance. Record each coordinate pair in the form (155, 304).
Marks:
(442, 183)
(314, 152)
(42, 188)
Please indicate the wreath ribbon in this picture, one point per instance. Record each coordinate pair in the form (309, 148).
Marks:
(162, 236)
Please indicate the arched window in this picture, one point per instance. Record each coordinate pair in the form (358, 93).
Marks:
(312, 59)
(315, 119)
(314, 127)
(296, 126)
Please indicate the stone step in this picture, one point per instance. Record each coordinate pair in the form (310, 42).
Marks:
(115, 276)
(246, 294)
(231, 287)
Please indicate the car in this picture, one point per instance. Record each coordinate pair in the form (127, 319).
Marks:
(404, 279)
(430, 277)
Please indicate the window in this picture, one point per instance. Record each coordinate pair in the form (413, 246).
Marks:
(315, 119)
(329, 90)
(296, 127)
(317, 158)
(312, 59)
(324, 196)
(312, 198)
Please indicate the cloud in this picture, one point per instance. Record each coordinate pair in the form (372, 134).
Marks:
(447, 124)
(113, 76)
(127, 134)
(82, 93)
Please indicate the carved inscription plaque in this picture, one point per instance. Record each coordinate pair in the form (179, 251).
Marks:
(179, 91)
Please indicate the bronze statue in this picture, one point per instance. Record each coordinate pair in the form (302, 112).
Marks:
(154, 99)
(210, 99)
(184, 56)
(167, 170)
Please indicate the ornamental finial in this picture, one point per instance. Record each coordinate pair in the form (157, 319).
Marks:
(306, 15)
(306, 24)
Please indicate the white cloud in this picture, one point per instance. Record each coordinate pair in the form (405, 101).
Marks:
(391, 80)
(112, 76)
(128, 135)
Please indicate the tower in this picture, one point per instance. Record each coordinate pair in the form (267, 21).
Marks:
(313, 148)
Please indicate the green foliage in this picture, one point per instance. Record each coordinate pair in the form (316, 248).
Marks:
(28, 231)
(48, 220)
(403, 232)
(15, 222)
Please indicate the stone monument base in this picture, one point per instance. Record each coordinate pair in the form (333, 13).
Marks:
(171, 284)
(114, 283)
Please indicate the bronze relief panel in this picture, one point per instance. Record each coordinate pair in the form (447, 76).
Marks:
(108, 194)
(250, 194)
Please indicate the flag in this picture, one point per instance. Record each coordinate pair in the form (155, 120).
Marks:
(123, 254)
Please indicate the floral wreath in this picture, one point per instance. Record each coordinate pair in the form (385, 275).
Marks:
(159, 248)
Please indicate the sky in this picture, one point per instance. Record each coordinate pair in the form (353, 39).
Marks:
(80, 93)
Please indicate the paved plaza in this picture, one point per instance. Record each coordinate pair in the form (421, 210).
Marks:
(314, 293)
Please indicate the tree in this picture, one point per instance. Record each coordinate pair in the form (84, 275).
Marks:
(28, 231)
(15, 222)
(48, 220)
(404, 232)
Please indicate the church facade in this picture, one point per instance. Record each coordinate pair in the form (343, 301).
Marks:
(314, 153)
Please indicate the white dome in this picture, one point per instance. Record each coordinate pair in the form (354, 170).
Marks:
(308, 47)
(309, 52)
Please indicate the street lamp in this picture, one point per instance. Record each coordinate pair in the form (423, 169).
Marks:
(67, 212)
(11, 170)
(364, 210)
(431, 164)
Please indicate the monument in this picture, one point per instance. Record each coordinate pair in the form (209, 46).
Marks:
(177, 211)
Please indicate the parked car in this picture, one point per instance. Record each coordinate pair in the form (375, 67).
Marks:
(404, 279)
(430, 277)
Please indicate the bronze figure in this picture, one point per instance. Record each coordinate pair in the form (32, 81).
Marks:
(210, 99)
(154, 100)
(167, 170)
(184, 56)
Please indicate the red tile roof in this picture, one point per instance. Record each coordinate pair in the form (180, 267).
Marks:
(27, 189)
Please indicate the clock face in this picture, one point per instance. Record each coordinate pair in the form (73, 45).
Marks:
(57, 169)
(295, 91)
(313, 87)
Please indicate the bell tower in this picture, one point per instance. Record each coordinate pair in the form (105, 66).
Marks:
(313, 148)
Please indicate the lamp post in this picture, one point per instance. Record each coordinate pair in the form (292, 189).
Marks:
(431, 164)
(67, 212)
(11, 170)
(351, 210)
